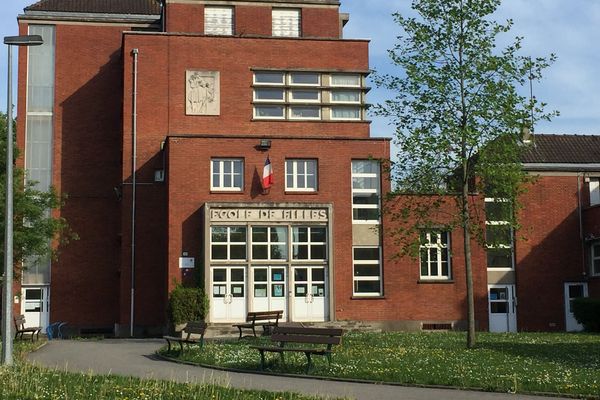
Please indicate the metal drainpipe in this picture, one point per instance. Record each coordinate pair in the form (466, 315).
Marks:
(133, 181)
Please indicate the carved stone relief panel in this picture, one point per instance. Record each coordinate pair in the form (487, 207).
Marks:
(202, 93)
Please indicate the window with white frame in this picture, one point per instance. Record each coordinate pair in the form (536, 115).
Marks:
(227, 243)
(286, 22)
(227, 174)
(365, 191)
(594, 185)
(366, 262)
(309, 243)
(301, 175)
(595, 259)
(269, 243)
(218, 20)
(304, 95)
(498, 233)
(434, 249)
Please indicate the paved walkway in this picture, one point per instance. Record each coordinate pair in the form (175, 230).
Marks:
(133, 357)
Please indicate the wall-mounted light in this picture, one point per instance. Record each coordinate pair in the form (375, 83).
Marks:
(264, 144)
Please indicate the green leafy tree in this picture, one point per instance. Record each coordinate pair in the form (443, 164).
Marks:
(36, 232)
(459, 112)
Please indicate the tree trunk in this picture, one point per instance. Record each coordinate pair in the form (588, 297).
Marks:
(468, 267)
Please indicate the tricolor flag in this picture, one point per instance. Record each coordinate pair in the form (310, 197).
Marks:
(267, 178)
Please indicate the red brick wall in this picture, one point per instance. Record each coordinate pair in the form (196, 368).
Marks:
(548, 252)
(188, 18)
(320, 22)
(253, 20)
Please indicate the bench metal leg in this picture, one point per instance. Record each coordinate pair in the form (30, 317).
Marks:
(309, 366)
(253, 331)
(181, 347)
(240, 329)
(262, 360)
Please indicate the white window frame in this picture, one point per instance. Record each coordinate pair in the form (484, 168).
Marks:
(269, 243)
(500, 246)
(281, 17)
(441, 248)
(292, 117)
(347, 119)
(282, 83)
(594, 186)
(216, 32)
(378, 278)
(282, 117)
(353, 102)
(293, 100)
(221, 187)
(594, 257)
(376, 191)
(282, 100)
(294, 173)
(359, 76)
(304, 85)
(228, 244)
(308, 243)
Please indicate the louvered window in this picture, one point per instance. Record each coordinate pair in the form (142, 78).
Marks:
(286, 22)
(218, 20)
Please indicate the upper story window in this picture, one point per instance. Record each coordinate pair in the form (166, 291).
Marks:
(286, 22)
(218, 20)
(435, 255)
(595, 258)
(498, 233)
(301, 175)
(594, 191)
(346, 80)
(227, 174)
(365, 191)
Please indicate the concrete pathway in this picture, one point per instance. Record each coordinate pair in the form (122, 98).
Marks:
(133, 357)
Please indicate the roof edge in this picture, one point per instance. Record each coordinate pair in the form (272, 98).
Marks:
(88, 17)
(570, 167)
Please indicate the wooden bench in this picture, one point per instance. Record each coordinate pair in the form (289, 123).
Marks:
(20, 329)
(192, 327)
(266, 319)
(301, 335)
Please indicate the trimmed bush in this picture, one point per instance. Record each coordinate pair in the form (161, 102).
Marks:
(187, 304)
(587, 313)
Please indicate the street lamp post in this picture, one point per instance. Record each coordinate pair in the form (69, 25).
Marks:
(7, 339)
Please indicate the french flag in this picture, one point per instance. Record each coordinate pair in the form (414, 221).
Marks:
(267, 178)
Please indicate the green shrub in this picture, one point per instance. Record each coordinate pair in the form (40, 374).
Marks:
(187, 304)
(587, 313)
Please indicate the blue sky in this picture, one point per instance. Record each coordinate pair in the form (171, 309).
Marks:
(570, 29)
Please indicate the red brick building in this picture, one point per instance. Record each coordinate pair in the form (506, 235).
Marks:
(157, 119)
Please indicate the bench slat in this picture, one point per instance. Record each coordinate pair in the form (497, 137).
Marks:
(278, 337)
(296, 330)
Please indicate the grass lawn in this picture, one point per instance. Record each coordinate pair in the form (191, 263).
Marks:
(24, 381)
(525, 362)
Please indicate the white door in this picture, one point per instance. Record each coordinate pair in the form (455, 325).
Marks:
(228, 299)
(35, 305)
(502, 308)
(269, 289)
(309, 296)
(573, 291)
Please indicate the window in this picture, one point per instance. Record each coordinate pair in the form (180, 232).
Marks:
(228, 243)
(365, 191)
(309, 243)
(595, 259)
(269, 243)
(301, 175)
(302, 95)
(227, 174)
(498, 233)
(286, 22)
(366, 263)
(594, 191)
(435, 255)
(218, 20)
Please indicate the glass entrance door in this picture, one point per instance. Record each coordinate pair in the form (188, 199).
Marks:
(502, 308)
(269, 291)
(228, 298)
(309, 295)
(573, 291)
(35, 306)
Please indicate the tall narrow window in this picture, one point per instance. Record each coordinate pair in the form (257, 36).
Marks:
(218, 21)
(286, 22)
(365, 191)
(227, 174)
(498, 233)
(366, 263)
(301, 175)
(594, 191)
(595, 259)
(435, 255)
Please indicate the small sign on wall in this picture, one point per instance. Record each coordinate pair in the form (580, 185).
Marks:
(187, 262)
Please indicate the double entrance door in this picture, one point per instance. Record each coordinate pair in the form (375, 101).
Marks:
(300, 291)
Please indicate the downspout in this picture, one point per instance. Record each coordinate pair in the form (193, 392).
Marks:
(133, 181)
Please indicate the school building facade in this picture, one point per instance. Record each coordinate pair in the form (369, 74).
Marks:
(158, 119)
